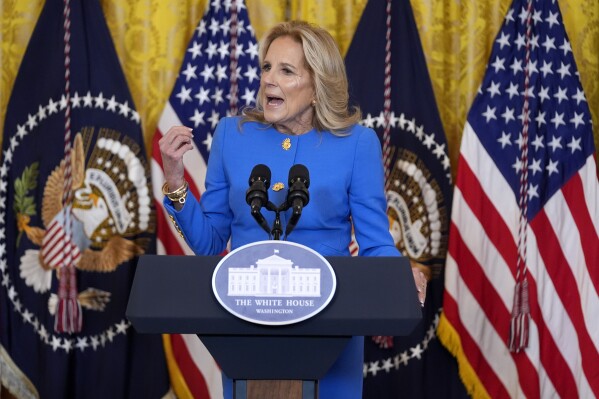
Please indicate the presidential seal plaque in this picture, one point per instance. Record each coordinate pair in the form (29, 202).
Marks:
(274, 282)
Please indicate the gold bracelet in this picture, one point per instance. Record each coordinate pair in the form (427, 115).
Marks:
(179, 195)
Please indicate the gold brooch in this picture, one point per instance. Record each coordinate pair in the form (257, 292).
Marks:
(278, 186)
(286, 144)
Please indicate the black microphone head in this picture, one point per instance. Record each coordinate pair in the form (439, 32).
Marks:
(260, 172)
(299, 172)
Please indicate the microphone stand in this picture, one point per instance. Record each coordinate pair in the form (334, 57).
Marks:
(277, 229)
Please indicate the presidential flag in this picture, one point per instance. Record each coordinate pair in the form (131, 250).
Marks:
(219, 76)
(389, 81)
(522, 275)
(75, 213)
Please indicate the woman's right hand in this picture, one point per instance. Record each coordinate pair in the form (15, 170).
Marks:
(173, 145)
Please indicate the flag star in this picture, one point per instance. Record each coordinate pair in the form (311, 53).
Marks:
(110, 334)
(566, 47)
(249, 96)
(87, 100)
(419, 131)
(552, 19)
(31, 121)
(546, 68)
(190, 72)
(489, 114)
(239, 50)
(201, 28)
(538, 142)
(517, 165)
(252, 50)
(520, 140)
(505, 139)
(534, 41)
(124, 108)
(3, 172)
(197, 118)
(552, 167)
(68, 345)
(387, 365)
(529, 92)
(558, 119)
(577, 119)
(95, 342)
(135, 116)
(27, 316)
(516, 66)
(13, 144)
(533, 191)
(555, 143)
(122, 327)
(574, 145)
(508, 115)
(207, 73)
(512, 90)
(411, 124)
(536, 16)
(544, 94)
(214, 118)
(523, 115)
(540, 119)
(63, 102)
(510, 15)
(195, 49)
(184, 94)
(99, 99)
(81, 343)
(76, 100)
(111, 105)
(520, 41)
(208, 142)
(218, 96)
(41, 113)
(535, 166)
(549, 44)
(214, 27)
(211, 50)
(223, 49)
(532, 67)
(439, 151)
(52, 107)
(368, 122)
(429, 140)
(251, 74)
(416, 351)
(561, 94)
(403, 357)
(498, 64)
(523, 15)
(241, 27)
(221, 72)
(203, 95)
(374, 368)
(225, 27)
(564, 70)
(55, 343)
(579, 96)
(494, 89)
(504, 40)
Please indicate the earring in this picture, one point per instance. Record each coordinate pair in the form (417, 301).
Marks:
(314, 103)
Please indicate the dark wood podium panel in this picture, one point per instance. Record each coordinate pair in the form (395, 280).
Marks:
(274, 389)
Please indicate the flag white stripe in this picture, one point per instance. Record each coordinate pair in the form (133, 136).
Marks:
(568, 235)
(588, 173)
(491, 180)
(482, 331)
(205, 363)
(556, 318)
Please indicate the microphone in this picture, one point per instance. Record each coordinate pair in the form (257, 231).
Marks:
(298, 196)
(257, 195)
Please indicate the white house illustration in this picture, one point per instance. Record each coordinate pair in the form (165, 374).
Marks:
(274, 276)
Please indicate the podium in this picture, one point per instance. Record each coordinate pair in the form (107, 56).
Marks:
(374, 296)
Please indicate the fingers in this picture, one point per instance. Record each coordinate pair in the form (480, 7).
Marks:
(173, 145)
(421, 283)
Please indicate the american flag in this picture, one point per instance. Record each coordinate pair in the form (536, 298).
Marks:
(528, 131)
(219, 74)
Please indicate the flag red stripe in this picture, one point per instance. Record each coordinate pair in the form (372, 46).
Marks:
(484, 209)
(573, 192)
(192, 375)
(556, 265)
(551, 357)
(491, 304)
(475, 357)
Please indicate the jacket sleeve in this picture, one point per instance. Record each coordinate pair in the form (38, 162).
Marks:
(368, 205)
(206, 225)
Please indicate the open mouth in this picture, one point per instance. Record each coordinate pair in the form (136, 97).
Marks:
(274, 101)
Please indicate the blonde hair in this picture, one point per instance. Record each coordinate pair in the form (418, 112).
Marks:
(327, 69)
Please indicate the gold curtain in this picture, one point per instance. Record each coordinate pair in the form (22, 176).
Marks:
(150, 37)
